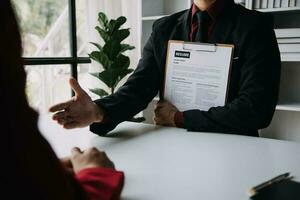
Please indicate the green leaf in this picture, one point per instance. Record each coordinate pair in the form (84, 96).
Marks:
(102, 18)
(120, 21)
(122, 62)
(104, 35)
(95, 75)
(112, 49)
(101, 58)
(112, 26)
(112, 77)
(108, 77)
(120, 35)
(115, 25)
(122, 74)
(100, 92)
(97, 45)
(138, 119)
(125, 47)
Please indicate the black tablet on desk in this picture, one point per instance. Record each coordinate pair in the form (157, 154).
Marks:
(283, 190)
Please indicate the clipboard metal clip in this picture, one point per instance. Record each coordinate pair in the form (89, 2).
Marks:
(199, 47)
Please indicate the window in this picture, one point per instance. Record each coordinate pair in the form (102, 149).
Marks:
(54, 44)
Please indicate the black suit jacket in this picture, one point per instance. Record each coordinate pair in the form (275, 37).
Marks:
(254, 80)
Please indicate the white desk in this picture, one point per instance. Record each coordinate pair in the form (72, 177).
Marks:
(170, 164)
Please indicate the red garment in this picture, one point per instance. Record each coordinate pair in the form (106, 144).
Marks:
(214, 10)
(179, 119)
(101, 183)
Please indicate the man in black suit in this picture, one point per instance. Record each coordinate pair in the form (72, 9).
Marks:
(254, 79)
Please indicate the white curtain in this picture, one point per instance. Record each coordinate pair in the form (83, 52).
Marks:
(113, 9)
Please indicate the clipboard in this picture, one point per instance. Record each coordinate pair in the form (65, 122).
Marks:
(197, 75)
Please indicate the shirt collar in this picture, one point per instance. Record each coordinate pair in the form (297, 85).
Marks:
(214, 10)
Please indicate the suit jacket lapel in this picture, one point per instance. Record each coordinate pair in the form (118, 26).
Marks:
(179, 32)
(224, 26)
(182, 29)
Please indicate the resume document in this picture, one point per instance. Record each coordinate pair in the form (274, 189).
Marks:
(197, 75)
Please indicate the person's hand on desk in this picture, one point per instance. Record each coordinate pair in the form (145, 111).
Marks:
(89, 158)
(67, 165)
(78, 112)
(164, 113)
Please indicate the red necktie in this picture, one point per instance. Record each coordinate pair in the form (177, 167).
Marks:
(200, 27)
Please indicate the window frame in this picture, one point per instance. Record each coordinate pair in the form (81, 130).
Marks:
(72, 60)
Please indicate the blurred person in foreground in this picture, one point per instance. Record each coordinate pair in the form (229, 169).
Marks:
(30, 168)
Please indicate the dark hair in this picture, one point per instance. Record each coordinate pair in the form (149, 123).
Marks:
(28, 164)
(11, 71)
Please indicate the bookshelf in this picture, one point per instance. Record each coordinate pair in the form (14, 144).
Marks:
(152, 10)
(279, 9)
(289, 106)
(273, 5)
(286, 13)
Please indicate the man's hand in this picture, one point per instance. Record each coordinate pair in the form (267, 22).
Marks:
(79, 112)
(89, 159)
(164, 113)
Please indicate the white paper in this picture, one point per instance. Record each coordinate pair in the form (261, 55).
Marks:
(197, 79)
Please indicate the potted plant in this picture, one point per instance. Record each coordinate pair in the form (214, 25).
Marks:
(111, 54)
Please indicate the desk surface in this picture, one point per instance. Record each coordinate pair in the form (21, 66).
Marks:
(169, 163)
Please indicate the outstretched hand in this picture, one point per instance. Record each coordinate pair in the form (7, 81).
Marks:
(78, 112)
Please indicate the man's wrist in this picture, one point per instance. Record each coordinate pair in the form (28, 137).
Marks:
(179, 119)
(99, 114)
